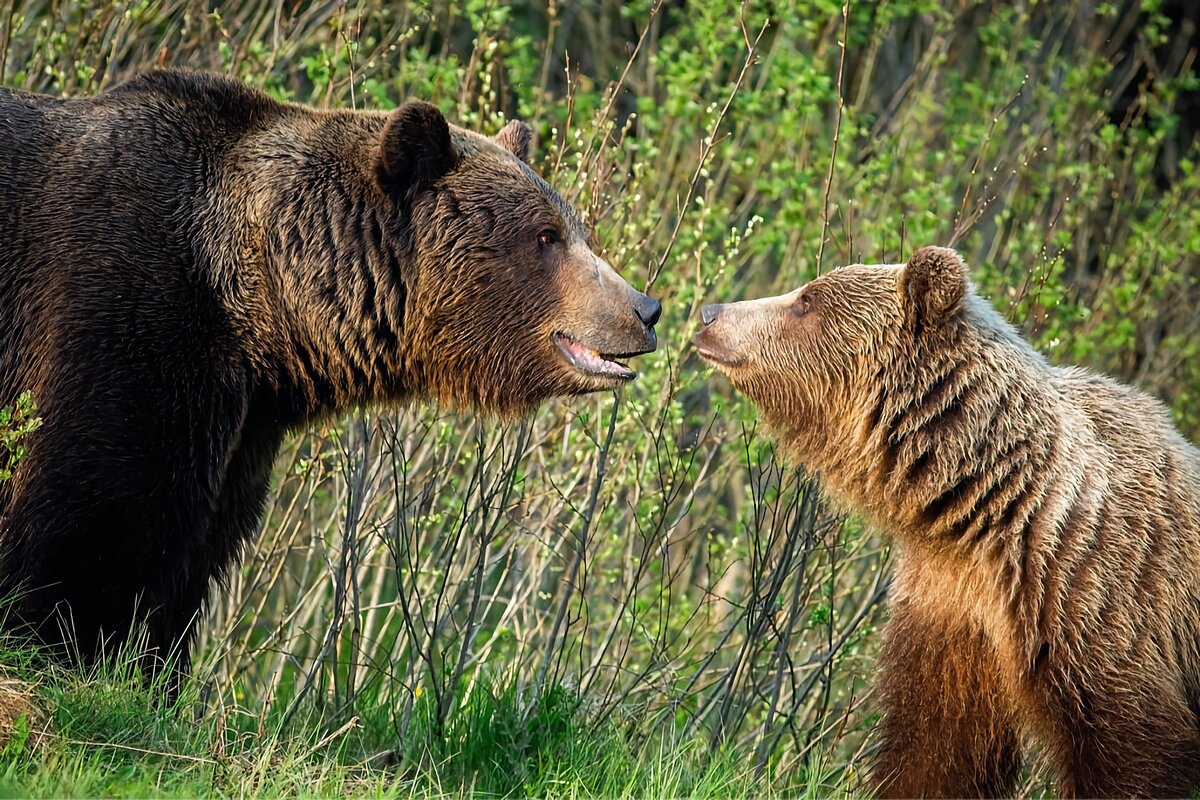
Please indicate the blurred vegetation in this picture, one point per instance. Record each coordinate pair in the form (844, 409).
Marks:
(441, 580)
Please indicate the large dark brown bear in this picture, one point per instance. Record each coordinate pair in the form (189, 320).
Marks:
(190, 269)
(1047, 524)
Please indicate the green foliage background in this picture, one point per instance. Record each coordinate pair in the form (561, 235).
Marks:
(643, 558)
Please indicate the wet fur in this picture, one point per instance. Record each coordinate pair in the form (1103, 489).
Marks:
(1047, 524)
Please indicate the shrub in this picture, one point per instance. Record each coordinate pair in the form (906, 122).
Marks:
(17, 421)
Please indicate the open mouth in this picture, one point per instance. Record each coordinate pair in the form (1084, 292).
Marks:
(593, 362)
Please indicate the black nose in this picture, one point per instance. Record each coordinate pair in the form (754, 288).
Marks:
(648, 310)
(709, 314)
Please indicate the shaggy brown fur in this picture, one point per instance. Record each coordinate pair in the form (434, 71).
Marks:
(189, 269)
(1047, 523)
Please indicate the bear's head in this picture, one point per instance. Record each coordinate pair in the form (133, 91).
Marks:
(508, 303)
(824, 362)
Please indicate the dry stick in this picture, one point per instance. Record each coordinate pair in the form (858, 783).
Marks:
(710, 144)
(443, 610)
(634, 580)
(729, 679)
(291, 622)
(345, 583)
(586, 161)
(636, 570)
(144, 751)
(348, 726)
(401, 465)
(960, 225)
(469, 74)
(245, 596)
(345, 579)
(356, 502)
(1024, 292)
(566, 130)
(878, 591)
(756, 616)
(837, 132)
(276, 31)
(581, 546)
(577, 586)
(348, 44)
(767, 581)
(807, 517)
(468, 636)
(239, 653)
(552, 25)
(487, 533)
(831, 548)
(12, 10)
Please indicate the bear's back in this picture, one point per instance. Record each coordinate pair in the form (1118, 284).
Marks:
(1133, 426)
(1135, 448)
(160, 134)
(103, 203)
(152, 116)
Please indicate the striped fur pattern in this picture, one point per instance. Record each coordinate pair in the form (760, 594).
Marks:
(1047, 523)
(189, 269)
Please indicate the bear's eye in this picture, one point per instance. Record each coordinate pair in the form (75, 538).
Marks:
(547, 237)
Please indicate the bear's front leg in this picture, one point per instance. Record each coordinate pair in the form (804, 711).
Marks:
(948, 726)
(1118, 736)
(241, 484)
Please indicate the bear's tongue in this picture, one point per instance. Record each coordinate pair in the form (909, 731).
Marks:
(585, 359)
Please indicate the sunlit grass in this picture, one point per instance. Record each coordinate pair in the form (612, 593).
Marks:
(110, 734)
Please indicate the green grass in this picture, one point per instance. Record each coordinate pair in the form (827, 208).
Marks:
(108, 734)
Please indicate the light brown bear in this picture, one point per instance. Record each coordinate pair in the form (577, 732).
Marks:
(1046, 520)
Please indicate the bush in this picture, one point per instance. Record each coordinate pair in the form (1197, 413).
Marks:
(17, 421)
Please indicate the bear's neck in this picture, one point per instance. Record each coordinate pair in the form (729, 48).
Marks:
(952, 457)
(336, 271)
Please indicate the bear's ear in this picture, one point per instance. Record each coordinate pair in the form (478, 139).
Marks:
(415, 148)
(933, 286)
(516, 137)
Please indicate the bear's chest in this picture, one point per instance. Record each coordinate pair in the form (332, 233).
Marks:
(959, 593)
